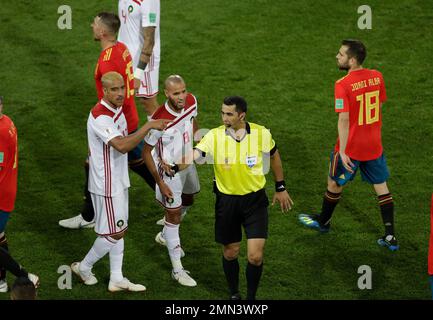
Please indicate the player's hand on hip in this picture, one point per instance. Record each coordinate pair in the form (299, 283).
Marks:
(159, 124)
(136, 84)
(283, 198)
(347, 162)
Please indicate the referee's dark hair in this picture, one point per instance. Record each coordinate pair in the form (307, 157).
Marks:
(356, 49)
(111, 20)
(23, 289)
(239, 102)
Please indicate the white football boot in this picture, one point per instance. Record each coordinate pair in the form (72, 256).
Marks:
(34, 278)
(76, 222)
(3, 286)
(125, 285)
(87, 277)
(161, 222)
(183, 278)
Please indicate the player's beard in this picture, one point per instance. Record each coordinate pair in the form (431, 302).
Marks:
(119, 102)
(176, 105)
(343, 66)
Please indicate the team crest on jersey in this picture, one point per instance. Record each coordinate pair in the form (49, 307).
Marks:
(251, 161)
(130, 9)
(169, 200)
(120, 223)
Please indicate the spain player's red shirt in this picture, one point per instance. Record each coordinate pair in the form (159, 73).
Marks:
(8, 164)
(117, 58)
(361, 93)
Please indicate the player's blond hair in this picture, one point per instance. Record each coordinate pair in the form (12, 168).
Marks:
(109, 77)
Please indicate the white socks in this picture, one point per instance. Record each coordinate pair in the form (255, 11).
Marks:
(100, 248)
(116, 261)
(171, 235)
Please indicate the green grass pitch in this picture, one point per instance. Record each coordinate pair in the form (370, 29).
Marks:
(280, 55)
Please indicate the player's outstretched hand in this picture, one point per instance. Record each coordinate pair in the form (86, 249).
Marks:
(159, 124)
(283, 198)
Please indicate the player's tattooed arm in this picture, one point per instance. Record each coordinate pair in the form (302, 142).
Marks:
(149, 43)
(148, 159)
(146, 52)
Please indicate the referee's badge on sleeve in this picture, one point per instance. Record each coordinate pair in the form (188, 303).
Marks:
(251, 161)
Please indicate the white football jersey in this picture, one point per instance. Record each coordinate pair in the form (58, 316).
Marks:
(177, 139)
(134, 16)
(108, 174)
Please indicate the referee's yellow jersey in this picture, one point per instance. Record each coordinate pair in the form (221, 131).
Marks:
(239, 166)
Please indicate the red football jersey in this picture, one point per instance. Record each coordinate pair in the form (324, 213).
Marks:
(117, 58)
(164, 112)
(361, 93)
(8, 164)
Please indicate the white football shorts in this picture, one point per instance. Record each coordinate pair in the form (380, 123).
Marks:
(185, 181)
(149, 84)
(111, 213)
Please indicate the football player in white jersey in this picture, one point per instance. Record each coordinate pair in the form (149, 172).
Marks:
(174, 192)
(109, 144)
(139, 30)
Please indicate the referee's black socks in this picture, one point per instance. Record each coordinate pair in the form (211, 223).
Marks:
(386, 204)
(330, 201)
(253, 274)
(231, 270)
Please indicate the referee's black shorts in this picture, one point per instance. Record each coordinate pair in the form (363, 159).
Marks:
(234, 211)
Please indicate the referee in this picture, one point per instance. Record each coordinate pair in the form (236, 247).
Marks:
(241, 152)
